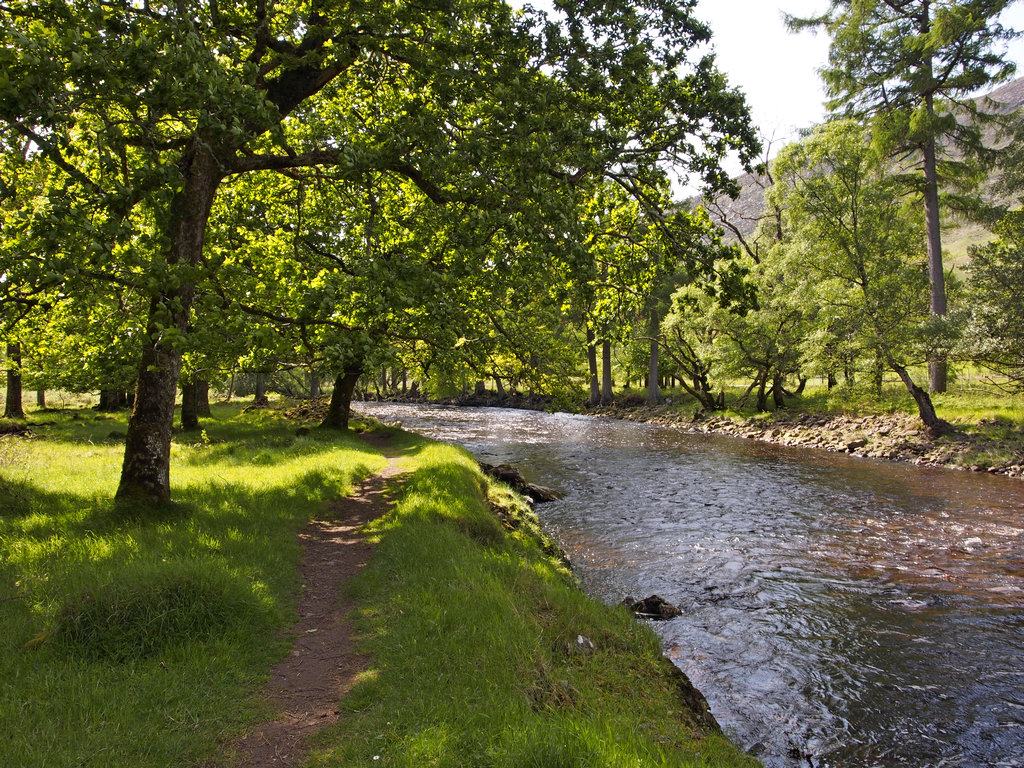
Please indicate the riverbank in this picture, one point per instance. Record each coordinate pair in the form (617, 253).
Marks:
(987, 445)
(990, 443)
(145, 637)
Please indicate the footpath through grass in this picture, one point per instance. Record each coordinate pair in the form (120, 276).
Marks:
(143, 637)
(134, 637)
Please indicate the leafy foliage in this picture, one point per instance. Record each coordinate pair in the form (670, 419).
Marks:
(995, 329)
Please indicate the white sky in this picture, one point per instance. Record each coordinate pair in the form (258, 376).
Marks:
(776, 69)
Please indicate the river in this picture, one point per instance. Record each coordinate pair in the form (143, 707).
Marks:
(837, 611)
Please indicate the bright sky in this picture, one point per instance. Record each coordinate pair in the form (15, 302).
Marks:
(776, 69)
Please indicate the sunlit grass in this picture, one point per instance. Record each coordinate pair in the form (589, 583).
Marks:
(138, 638)
(477, 661)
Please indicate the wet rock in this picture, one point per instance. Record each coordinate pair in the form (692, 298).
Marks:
(512, 477)
(652, 607)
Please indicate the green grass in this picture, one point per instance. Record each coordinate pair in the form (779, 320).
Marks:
(140, 639)
(473, 633)
(143, 637)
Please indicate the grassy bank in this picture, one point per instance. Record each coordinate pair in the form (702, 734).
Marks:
(142, 637)
(485, 653)
(137, 638)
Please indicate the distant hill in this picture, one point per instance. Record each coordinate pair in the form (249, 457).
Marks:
(740, 217)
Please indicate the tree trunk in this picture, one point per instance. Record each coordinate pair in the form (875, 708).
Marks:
(606, 373)
(189, 405)
(41, 398)
(203, 398)
(145, 473)
(933, 424)
(500, 388)
(653, 393)
(13, 408)
(110, 400)
(936, 276)
(480, 389)
(595, 387)
(762, 395)
(341, 400)
(778, 393)
(260, 398)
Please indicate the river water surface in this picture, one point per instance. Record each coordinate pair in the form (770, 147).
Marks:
(837, 611)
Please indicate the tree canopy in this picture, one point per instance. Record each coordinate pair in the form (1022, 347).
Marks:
(909, 67)
(468, 132)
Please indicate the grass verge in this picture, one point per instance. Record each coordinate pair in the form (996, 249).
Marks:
(485, 653)
(140, 639)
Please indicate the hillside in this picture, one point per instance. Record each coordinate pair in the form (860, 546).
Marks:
(739, 217)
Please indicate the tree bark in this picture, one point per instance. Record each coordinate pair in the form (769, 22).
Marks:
(41, 398)
(778, 393)
(314, 385)
(189, 405)
(260, 398)
(933, 424)
(653, 393)
(937, 369)
(595, 387)
(606, 373)
(203, 398)
(13, 407)
(341, 400)
(762, 396)
(499, 388)
(110, 400)
(145, 473)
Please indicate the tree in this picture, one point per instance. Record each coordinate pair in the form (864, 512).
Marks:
(909, 66)
(13, 408)
(995, 327)
(143, 112)
(856, 246)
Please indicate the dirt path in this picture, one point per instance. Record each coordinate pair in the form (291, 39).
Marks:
(305, 687)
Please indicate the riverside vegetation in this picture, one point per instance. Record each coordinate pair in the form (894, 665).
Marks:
(987, 433)
(142, 635)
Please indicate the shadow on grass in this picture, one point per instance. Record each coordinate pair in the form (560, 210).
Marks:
(116, 581)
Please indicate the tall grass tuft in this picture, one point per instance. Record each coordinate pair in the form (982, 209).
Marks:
(146, 607)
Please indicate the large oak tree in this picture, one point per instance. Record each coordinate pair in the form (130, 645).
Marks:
(142, 111)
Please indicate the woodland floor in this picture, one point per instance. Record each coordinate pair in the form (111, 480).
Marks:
(305, 687)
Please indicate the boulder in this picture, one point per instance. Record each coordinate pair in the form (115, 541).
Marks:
(652, 607)
(512, 477)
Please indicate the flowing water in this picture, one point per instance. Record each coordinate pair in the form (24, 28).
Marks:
(836, 611)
